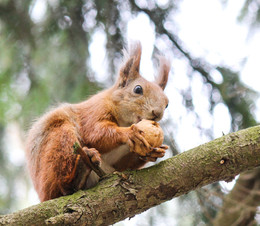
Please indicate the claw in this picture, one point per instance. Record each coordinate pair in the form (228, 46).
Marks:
(137, 143)
(165, 147)
(94, 155)
(157, 154)
(138, 135)
(92, 159)
(159, 150)
(150, 159)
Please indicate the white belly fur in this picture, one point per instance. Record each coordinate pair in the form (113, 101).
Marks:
(108, 160)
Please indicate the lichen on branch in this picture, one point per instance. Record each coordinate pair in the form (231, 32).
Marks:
(126, 194)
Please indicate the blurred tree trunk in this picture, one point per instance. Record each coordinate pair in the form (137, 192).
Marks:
(240, 205)
(125, 194)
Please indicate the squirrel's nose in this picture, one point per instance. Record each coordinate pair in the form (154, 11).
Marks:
(157, 114)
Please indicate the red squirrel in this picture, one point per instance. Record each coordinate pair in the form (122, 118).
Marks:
(104, 125)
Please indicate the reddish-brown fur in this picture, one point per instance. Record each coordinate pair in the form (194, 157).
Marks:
(104, 122)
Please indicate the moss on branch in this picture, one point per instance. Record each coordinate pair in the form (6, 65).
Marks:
(123, 195)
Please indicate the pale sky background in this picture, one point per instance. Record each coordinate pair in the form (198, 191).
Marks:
(207, 30)
(211, 31)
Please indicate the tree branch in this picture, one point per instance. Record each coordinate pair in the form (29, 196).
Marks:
(125, 194)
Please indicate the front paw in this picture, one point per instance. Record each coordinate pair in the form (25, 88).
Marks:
(137, 143)
(93, 155)
(93, 160)
(155, 153)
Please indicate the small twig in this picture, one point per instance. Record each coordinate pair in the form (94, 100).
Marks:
(78, 149)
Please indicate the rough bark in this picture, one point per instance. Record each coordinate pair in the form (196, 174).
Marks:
(124, 195)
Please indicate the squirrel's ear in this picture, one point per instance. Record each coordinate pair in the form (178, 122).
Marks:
(164, 68)
(130, 69)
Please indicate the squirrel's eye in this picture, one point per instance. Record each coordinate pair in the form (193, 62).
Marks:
(138, 89)
(166, 106)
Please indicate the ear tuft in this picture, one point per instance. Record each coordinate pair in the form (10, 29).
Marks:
(163, 74)
(135, 52)
(130, 69)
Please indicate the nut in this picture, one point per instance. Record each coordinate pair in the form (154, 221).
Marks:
(151, 131)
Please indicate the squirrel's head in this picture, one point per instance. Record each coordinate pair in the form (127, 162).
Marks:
(134, 97)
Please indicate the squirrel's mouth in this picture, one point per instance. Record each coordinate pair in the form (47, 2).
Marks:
(152, 119)
(139, 119)
(155, 118)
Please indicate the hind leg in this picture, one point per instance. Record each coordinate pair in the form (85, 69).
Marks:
(60, 170)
